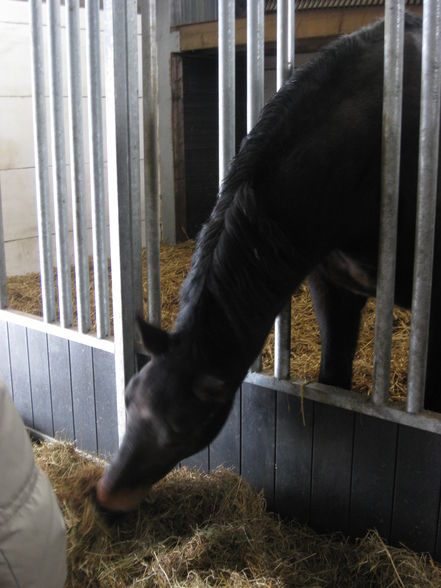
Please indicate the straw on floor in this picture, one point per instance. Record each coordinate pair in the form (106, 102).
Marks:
(24, 295)
(198, 529)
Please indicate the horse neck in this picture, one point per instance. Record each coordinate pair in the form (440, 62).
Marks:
(229, 303)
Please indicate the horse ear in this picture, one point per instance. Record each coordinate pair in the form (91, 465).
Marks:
(155, 340)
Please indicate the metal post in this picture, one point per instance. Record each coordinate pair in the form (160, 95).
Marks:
(285, 64)
(255, 77)
(59, 166)
(291, 36)
(77, 166)
(426, 204)
(227, 85)
(392, 107)
(41, 163)
(134, 154)
(97, 194)
(118, 27)
(3, 276)
(151, 158)
(283, 44)
(255, 60)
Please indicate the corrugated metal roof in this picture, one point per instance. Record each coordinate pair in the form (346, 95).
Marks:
(194, 11)
(271, 5)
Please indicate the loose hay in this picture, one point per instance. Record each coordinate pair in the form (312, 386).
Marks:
(211, 530)
(24, 295)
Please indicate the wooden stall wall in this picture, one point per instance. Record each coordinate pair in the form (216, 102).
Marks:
(332, 468)
(60, 387)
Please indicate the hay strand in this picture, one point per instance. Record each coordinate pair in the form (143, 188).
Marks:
(199, 529)
(24, 294)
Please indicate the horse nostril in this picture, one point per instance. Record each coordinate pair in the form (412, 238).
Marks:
(121, 501)
(101, 495)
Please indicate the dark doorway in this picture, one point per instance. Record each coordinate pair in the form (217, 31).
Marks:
(196, 125)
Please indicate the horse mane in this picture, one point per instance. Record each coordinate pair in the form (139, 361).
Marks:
(241, 240)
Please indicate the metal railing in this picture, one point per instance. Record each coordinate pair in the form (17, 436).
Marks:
(77, 166)
(151, 158)
(426, 203)
(96, 155)
(120, 25)
(413, 414)
(285, 66)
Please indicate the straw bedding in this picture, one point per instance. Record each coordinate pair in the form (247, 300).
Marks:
(24, 294)
(198, 529)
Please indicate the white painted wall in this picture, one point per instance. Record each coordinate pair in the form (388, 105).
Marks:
(16, 135)
(17, 165)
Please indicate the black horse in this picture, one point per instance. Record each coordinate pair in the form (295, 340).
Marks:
(301, 199)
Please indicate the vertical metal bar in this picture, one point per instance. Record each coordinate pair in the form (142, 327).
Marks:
(59, 166)
(97, 194)
(283, 44)
(392, 108)
(285, 63)
(3, 276)
(255, 77)
(426, 203)
(41, 163)
(227, 85)
(291, 36)
(118, 119)
(255, 60)
(77, 166)
(151, 158)
(134, 153)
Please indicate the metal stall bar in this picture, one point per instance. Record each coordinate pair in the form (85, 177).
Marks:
(151, 158)
(41, 163)
(285, 63)
(77, 166)
(134, 153)
(291, 36)
(3, 276)
(426, 204)
(255, 60)
(97, 194)
(392, 107)
(227, 85)
(255, 77)
(59, 166)
(117, 27)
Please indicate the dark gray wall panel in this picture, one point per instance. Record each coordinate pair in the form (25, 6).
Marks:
(373, 475)
(5, 368)
(105, 397)
(417, 489)
(225, 449)
(40, 382)
(61, 388)
(199, 460)
(331, 468)
(258, 438)
(293, 457)
(200, 116)
(20, 373)
(83, 395)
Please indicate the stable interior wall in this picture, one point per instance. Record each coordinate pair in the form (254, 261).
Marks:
(17, 163)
